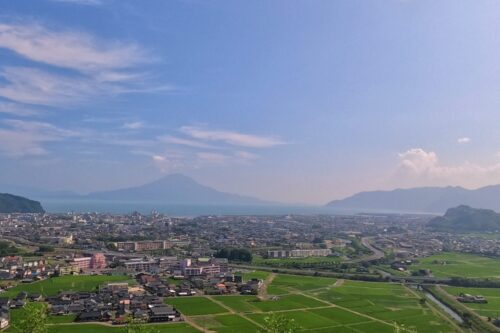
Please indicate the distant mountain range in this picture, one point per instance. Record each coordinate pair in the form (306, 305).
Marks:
(171, 189)
(466, 219)
(15, 204)
(423, 199)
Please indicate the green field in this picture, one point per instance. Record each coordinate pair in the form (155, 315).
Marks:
(227, 323)
(491, 309)
(96, 328)
(283, 282)
(194, 306)
(53, 286)
(450, 264)
(297, 262)
(319, 305)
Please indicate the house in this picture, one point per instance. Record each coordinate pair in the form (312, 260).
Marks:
(163, 313)
(90, 316)
(4, 318)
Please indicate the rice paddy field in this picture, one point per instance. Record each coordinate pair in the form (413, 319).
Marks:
(450, 264)
(297, 262)
(53, 286)
(318, 305)
(490, 309)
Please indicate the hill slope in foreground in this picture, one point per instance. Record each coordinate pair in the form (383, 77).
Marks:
(466, 219)
(15, 204)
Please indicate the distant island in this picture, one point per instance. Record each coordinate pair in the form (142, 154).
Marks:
(422, 199)
(15, 204)
(466, 219)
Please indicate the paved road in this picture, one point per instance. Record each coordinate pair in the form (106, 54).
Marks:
(376, 253)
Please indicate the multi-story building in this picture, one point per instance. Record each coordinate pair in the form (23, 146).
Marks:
(82, 263)
(298, 253)
(97, 261)
(138, 265)
(143, 245)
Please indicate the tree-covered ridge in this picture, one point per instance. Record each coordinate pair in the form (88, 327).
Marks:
(15, 204)
(465, 219)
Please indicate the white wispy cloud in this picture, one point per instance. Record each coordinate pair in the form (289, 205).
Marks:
(24, 138)
(81, 2)
(232, 137)
(185, 142)
(17, 109)
(134, 125)
(69, 49)
(87, 67)
(34, 86)
(463, 140)
(213, 158)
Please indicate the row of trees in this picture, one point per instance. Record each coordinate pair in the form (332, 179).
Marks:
(234, 254)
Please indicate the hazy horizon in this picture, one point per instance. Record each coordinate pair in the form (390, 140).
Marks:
(294, 102)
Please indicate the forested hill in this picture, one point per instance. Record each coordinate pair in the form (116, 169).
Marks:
(15, 204)
(466, 219)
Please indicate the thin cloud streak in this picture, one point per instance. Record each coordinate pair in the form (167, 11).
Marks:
(231, 137)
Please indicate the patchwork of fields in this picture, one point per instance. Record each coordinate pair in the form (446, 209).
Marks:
(53, 286)
(317, 304)
(460, 264)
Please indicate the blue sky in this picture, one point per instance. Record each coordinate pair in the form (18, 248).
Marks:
(296, 101)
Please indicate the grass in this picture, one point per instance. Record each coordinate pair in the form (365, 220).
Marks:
(255, 275)
(297, 262)
(303, 283)
(66, 319)
(227, 323)
(315, 303)
(353, 306)
(490, 309)
(451, 264)
(53, 286)
(195, 306)
(96, 328)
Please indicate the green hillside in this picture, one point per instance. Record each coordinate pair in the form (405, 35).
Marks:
(15, 204)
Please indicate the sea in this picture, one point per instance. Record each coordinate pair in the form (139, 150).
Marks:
(123, 207)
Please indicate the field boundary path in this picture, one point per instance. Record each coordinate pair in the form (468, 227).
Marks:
(263, 289)
(344, 308)
(232, 311)
(196, 325)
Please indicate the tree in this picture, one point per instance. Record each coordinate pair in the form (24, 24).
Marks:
(276, 323)
(34, 319)
(45, 248)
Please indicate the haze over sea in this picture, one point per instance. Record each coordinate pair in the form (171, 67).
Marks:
(123, 207)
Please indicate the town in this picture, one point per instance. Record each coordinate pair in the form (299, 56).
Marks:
(137, 262)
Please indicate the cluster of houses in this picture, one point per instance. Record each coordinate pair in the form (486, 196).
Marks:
(467, 298)
(17, 267)
(115, 302)
(219, 284)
